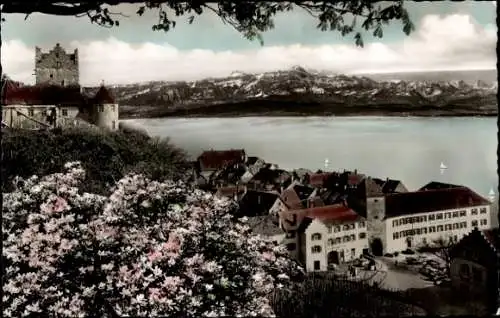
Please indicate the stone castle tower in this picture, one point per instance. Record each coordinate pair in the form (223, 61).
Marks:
(57, 67)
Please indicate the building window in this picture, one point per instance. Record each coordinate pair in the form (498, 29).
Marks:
(31, 112)
(316, 237)
(432, 217)
(447, 227)
(291, 246)
(439, 228)
(51, 75)
(113, 125)
(65, 112)
(331, 242)
(329, 229)
(361, 224)
(362, 235)
(474, 223)
(100, 108)
(455, 226)
(482, 211)
(424, 230)
(317, 265)
(337, 229)
(464, 271)
(432, 229)
(439, 216)
(338, 240)
(463, 213)
(473, 211)
(316, 249)
(353, 252)
(447, 215)
(353, 237)
(395, 236)
(346, 227)
(345, 238)
(455, 214)
(424, 218)
(394, 223)
(484, 222)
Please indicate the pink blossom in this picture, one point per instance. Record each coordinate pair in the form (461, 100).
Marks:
(154, 255)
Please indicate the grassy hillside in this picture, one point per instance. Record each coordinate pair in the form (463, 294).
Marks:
(106, 156)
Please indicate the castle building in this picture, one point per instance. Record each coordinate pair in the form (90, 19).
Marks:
(56, 99)
(56, 67)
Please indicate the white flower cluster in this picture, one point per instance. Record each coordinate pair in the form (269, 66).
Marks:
(149, 249)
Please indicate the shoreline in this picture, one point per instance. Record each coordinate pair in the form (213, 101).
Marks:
(274, 115)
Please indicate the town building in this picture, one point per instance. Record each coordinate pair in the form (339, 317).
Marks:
(336, 234)
(212, 161)
(56, 100)
(475, 267)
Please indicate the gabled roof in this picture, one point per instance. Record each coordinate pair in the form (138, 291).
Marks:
(478, 246)
(319, 179)
(18, 94)
(435, 185)
(254, 203)
(397, 204)
(264, 225)
(217, 159)
(302, 191)
(103, 96)
(331, 214)
(272, 176)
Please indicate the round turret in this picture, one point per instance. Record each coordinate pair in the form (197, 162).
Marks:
(104, 110)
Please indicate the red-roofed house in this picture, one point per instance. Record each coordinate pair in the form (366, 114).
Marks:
(335, 234)
(214, 160)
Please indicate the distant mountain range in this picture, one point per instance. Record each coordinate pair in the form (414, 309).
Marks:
(298, 91)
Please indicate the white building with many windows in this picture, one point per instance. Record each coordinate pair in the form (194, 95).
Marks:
(421, 218)
(331, 234)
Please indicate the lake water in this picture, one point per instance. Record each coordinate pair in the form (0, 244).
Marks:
(405, 148)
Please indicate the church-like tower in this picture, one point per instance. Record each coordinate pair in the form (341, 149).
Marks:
(57, 67)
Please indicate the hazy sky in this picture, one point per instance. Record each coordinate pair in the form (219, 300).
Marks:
(449, 35)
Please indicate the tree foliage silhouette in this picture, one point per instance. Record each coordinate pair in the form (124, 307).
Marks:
(250, 18)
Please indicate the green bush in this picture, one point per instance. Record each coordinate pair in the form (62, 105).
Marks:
(106, 156)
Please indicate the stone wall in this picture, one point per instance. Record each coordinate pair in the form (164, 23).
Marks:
(56, 67)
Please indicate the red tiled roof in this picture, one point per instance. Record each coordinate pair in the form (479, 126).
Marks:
(355, 179)
(431, 200)
(16, 94)
(335, 212)
(218, 159)
(318, 179)
(103, 96)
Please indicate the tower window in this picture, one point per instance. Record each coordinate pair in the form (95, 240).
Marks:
(51, 75)
(65, 112)
(100, 108)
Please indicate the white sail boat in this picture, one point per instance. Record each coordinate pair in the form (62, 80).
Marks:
(443, 166)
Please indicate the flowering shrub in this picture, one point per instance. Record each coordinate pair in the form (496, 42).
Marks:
(149, 249)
